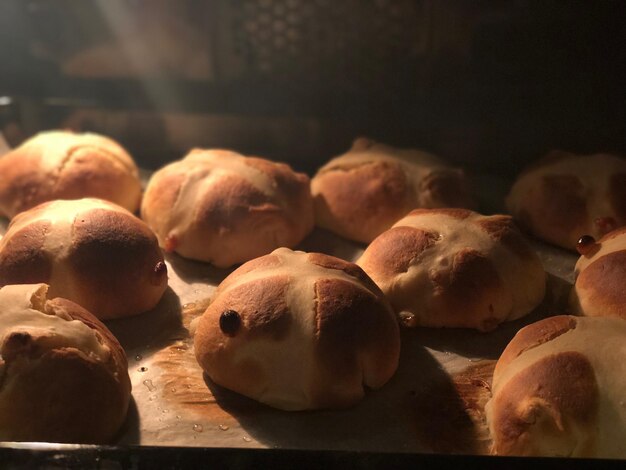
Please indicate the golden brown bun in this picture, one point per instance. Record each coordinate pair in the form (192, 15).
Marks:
(63, 375)
(311, 331)
(363, 192)
(223, 208)
(455, 268)
(559, 390)
(564, 196)
(600, 287)
(63, 165)
(90, 251)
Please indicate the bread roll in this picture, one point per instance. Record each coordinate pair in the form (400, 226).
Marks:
(64, 376)
(455, 268)
(559, 390)
(564, 196)
(64, 165)
(223, 208)
(298, 331)
(600, 287)
(363, 192)
(90, 251)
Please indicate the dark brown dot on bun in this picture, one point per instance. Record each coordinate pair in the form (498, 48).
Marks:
(230, 321)
(585, 244)
(160, 270)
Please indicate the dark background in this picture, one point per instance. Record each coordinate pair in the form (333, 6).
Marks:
(490, 85)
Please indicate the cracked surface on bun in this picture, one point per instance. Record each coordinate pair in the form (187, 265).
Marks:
(363, 192)
(65, 165)
(63, 375)
(455, 268)
(223, 208)
(90, 251)
(298, 331)
(600, 287)
(558, 390)
(565, 196)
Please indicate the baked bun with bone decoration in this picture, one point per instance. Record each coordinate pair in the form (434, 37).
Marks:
(363, 192)
(564, 196)
(223, 208)
(600, 286)
(65, 165)
(455, 268)
(558, 389)
(64, 375)
(90, 251)
(298, 331)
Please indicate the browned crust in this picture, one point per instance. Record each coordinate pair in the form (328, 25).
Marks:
(22, 261)
(22, 185)
(76, 398)
(351, 269)
(502, 229)
(457, 213)
(447, 187)
(360, 203)
(262, 262)
(261, 305)
(603, 283)
(88, 170)
(63, 396)
(615, 233)
(118, 363)
(357, 334)
(392, 252)
(235, 216)
(230, 203)
(544, 402)
(617, 194)
(535, 335)
(214, 353)
(555, 210)
(467, 290)
(232, 220)
(160, 198)
(563, 204)
(113, 260)
(290, 184)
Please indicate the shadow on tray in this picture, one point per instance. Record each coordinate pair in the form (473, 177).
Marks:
(159, 326)
(418, 408)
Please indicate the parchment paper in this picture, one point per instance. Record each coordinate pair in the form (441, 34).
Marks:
(432, 404)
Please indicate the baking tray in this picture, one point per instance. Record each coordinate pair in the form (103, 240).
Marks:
(433, 406)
